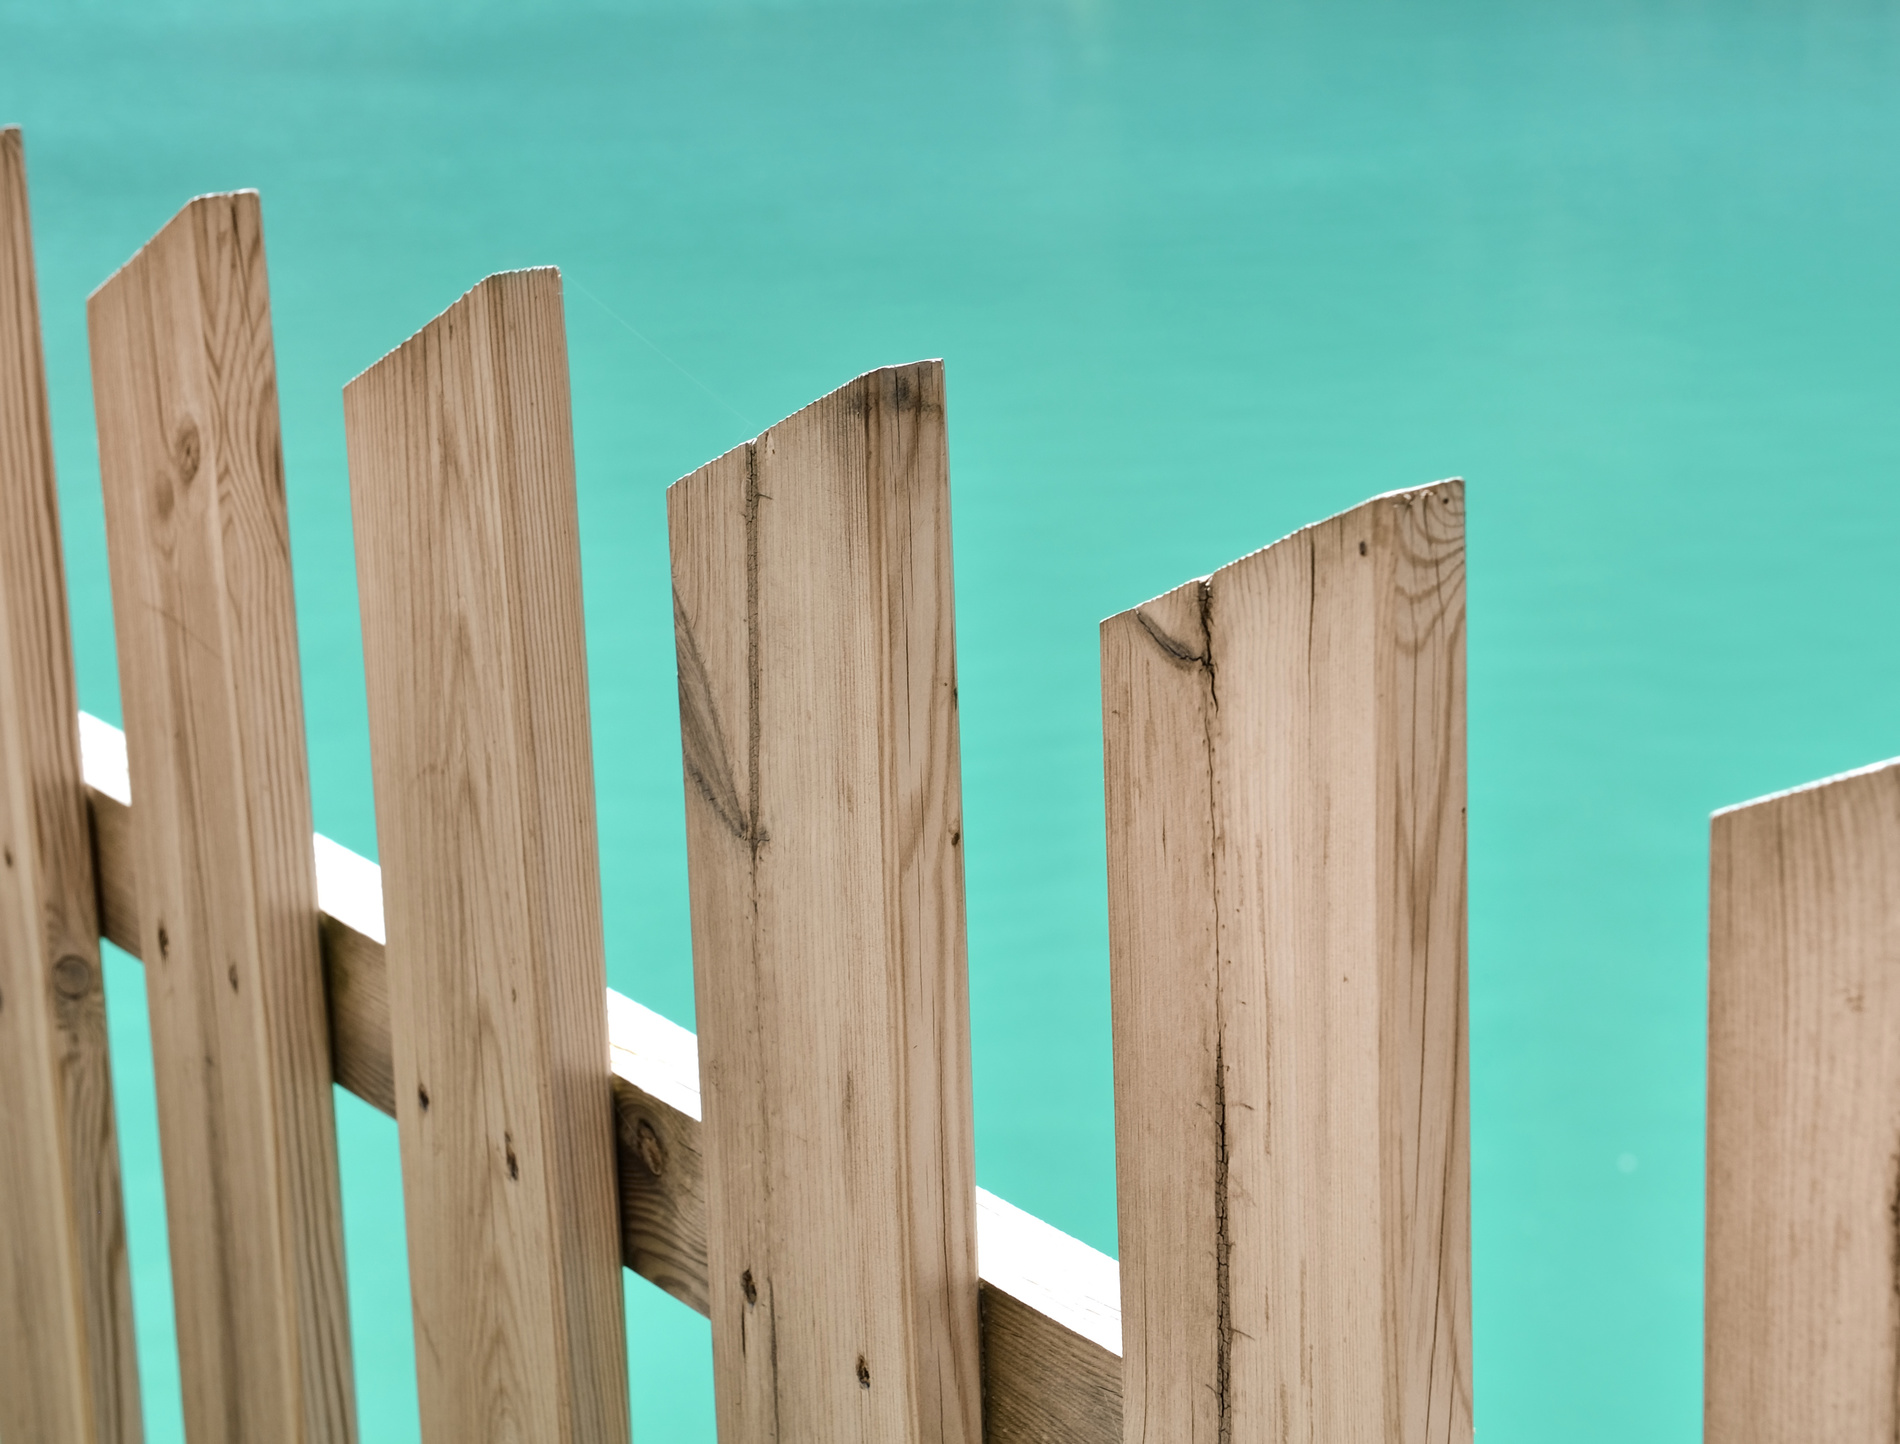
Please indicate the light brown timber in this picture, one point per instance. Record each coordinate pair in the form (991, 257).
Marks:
(1802, 1332)
(68, 1371)
(185, 398)
(813, 598)
(1285, 784)
(1051, 1306)
(468, 563)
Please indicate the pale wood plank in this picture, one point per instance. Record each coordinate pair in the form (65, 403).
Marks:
(1285, 797)
(1802, 1332)
(185, 399)
(67, 1365)
(468, 559)
(1051, 1306)
(818, 708)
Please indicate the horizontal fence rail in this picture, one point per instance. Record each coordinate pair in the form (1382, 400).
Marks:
(1051, 1305)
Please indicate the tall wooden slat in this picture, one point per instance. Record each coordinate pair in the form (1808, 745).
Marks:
(1803, 1262)
(1052, 1331)
(67, 1366)
(185, 394)
(818, 710)
(1286, 833)
(468, 560)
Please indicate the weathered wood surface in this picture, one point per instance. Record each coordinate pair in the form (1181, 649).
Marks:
(67, 1366)
(185, 399)
(1051, 1305)
(468, 562)
(812, 585)
(1285, 776)
(1802, 1332)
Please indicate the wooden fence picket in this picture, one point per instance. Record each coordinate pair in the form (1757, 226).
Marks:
(468, 561)
(1802, 1332)
(1286, 790)
(68, 1371)
(817, 668)
(197, 533)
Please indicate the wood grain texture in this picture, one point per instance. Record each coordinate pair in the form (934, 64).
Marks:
(812, 581)
(185, 397)
(1051, 1305)
(1285, 778)
(67, 1367)
(468, 563)
(1802, 1332)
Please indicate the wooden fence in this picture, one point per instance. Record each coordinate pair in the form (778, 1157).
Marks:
(1285, 782)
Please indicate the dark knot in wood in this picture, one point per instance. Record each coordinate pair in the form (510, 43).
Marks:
(72, 977)
(646, 1142)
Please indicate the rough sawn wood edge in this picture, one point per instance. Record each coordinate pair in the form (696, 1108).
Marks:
(1051, 1304)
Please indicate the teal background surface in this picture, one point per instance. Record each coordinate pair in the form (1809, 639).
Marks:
(1202, 272)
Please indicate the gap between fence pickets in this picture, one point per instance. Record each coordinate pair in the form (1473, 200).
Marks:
(1018, 1254)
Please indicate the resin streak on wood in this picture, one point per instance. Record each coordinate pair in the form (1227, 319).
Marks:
(812, 587)
(1285, 770)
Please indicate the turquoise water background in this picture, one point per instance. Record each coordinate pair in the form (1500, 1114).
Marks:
(1202, 272)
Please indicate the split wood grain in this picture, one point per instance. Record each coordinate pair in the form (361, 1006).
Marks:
(1285, 786)
(812, 580)
(1051, 1305)
(197, 533)
(1802, 1332)
(68, 1371)
(468, 563)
